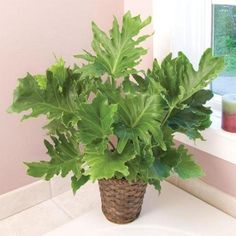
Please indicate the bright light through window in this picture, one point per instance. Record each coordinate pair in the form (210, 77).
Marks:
(224, 43)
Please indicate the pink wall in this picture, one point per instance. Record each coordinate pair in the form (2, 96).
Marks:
(30, 32)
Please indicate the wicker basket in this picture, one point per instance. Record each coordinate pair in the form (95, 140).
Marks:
(121, 200)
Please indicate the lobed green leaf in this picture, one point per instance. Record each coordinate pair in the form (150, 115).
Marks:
(106, 164)
(187, 167)
(118, 52)
(65, 158)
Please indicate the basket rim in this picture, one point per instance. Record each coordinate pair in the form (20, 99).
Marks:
(113, 179)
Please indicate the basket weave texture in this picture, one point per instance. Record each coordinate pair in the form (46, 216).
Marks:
(121, 200)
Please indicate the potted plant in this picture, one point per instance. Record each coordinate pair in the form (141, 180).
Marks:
(120, 134)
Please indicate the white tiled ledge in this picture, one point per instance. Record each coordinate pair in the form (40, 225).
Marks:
(23, 198)
(207, 193)
(31, 195)
(218, 142)
(54, 212)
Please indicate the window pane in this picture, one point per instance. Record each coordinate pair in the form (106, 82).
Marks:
(224, 43)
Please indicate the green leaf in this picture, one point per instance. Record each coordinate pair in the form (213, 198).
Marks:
(138, 167)
(117, 53)
(139, 116)
(174, 159)
(59, 71)
(96, 120)
(187, 167)
(164, 163)
(156, 183)
(64, 158)
(113, 93)
(105, 165)
(129, 86)
(76, 183)
(194, 117)
(54, 95)
(42, 81)
(94, 70)
(179, 79)
(159, 170)
(142, 82)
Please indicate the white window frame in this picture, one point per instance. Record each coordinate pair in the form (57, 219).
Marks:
(197, 19)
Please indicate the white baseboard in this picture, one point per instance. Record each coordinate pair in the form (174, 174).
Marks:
(207, 193)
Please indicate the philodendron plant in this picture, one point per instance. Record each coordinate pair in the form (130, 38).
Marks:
(101, 129)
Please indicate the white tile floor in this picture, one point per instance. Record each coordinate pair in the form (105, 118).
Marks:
(75, 205)
(173, 212)
(50, 214)
(34, 221)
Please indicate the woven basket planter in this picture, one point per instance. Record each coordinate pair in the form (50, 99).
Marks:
(121, 201)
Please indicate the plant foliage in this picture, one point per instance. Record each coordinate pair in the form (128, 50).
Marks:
(118, 52)
(101, 128)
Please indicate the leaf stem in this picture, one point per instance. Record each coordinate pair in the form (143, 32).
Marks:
(167, 116)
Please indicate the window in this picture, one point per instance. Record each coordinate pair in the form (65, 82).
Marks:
(224, 44)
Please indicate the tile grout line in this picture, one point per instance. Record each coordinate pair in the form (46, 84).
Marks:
(55, 203)
(50, 188)
(62, 209)
(30, 204)
(25, 209)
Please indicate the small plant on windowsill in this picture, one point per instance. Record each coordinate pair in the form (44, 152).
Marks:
(141, 114)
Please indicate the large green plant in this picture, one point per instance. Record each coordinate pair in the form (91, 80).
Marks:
(99, 128)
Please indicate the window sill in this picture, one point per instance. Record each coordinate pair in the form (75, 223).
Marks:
(218, 142)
